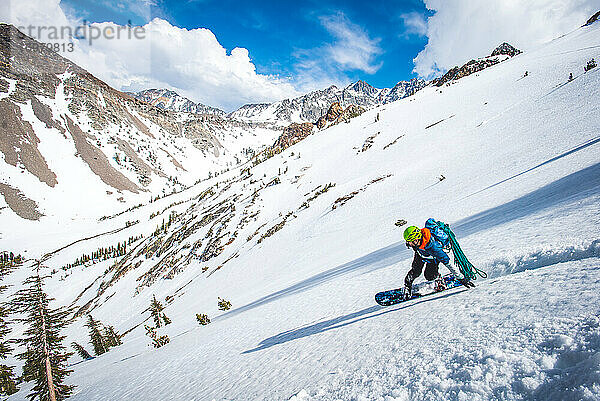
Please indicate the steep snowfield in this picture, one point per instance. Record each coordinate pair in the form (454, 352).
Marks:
(522, 192)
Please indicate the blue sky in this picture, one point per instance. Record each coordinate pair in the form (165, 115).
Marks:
(281, 35)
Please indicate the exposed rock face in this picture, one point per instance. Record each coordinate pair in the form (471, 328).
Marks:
(350, 112)
(334, 112)
(507, 49)
(321, 122)
(19, 203)
(292, 134)
(97, 160)
(501, 53)
(401, 90)
(19, 144)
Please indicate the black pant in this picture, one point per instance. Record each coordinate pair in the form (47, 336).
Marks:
(431, 270)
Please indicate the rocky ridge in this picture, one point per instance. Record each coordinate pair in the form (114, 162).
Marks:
(313, 105)
(169, 100)
(499, 54)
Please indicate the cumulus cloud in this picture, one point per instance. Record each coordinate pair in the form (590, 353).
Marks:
(192, 62)
(352, 48)
(464, 29)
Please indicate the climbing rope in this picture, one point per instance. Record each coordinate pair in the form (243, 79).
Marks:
(467, 269)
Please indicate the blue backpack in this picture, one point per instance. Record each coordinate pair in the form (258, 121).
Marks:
(437, 232)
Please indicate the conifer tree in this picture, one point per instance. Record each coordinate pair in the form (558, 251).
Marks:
(81, 351)
(223, 304)
(97, 339)
(7, 382)
(202, 319)
(156, 311)
(45, 357)
(112, 337)
(157, 341)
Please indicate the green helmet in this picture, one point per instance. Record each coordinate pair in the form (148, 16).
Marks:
(412, 233)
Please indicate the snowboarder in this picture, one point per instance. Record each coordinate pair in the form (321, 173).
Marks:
(429, 252)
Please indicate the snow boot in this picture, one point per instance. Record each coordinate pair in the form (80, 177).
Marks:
(439, 284)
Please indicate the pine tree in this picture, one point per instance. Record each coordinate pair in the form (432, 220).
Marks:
(202, 319)
(112, 337)
(96, 338)
(223, 304)
(81, 351)
(7, 382)
(45, 358)
(156, 311)
(157, 341)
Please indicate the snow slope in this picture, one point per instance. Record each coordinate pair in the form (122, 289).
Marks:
(522, 192)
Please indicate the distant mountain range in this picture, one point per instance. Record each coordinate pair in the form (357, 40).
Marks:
(305, 108)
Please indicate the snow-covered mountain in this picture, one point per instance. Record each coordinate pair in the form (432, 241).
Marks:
(170, 100)
(301, 242)
(306, 108)
(309, 107)
(66, 133)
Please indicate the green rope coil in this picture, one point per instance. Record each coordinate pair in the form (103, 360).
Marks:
(467, 269)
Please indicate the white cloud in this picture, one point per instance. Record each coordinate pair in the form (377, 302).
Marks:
(414, 24)
(352, 49)
(464, 29)
(192, 62)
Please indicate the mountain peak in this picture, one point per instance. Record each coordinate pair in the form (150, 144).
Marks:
(506, 49)
(168, 99)
(361, 86)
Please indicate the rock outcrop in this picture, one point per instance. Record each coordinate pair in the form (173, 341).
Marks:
(593, 19)
(501, 53)
(292, 134)
(336, 114)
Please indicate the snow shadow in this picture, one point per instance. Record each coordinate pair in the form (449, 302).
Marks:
(579, 185)
(573, 150)
(380, 258)
(341, 321)
(575, 186)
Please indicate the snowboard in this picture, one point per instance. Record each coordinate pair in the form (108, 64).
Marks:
(392, 297)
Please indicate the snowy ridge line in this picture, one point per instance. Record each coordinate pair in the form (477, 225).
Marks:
(542, 258)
